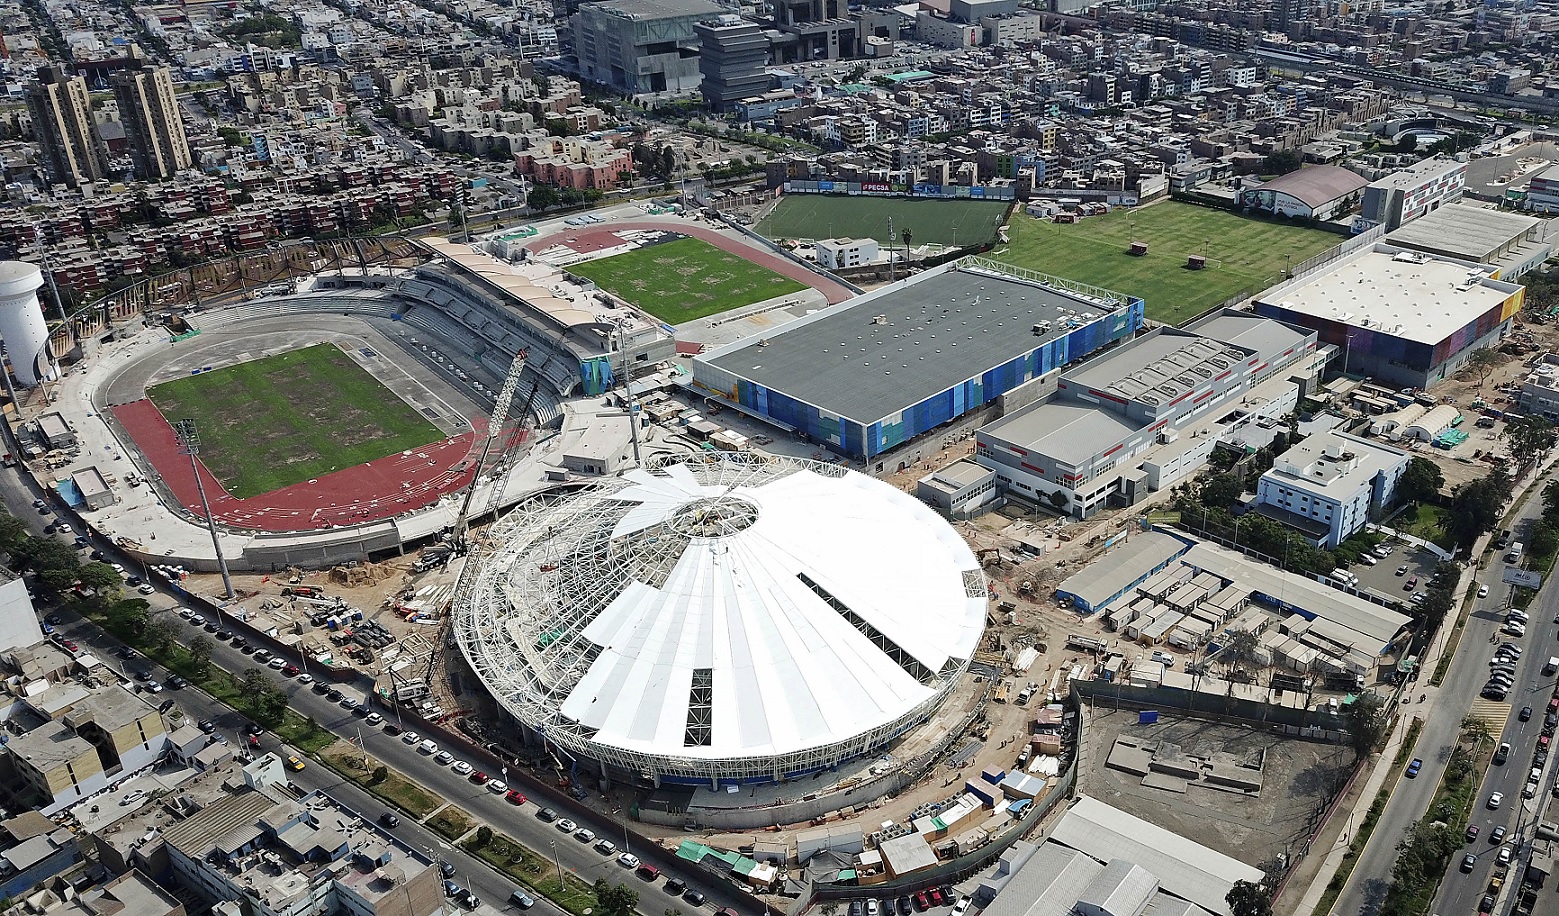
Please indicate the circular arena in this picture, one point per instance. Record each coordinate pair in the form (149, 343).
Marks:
(738, 619)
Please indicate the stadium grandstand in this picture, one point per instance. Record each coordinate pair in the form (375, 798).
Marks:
(574, 336)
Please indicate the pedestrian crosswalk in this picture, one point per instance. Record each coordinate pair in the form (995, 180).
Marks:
(1496, 714)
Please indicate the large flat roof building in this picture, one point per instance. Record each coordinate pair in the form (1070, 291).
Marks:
(1512, 243)
(641, 45)
(1407, 194)
(872, 373)
(1084, 447)
(1100, 860)
(1401, 316)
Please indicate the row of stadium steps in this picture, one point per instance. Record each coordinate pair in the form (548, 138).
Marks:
(335, 303)
(489, 320)
(547, 406)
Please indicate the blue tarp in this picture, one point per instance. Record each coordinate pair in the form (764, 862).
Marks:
(70, 493)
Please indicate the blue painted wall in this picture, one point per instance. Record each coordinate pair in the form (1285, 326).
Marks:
(865, 441)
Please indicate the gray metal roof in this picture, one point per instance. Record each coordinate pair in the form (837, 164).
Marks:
(1122, 566)
(1184, 868)
(1063, 430)
(1463, 231)
(1048, 884)
(1157, 368)
(1268, 338)
(1122, 889)
(941, 329)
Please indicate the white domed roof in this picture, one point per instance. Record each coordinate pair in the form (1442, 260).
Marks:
(725, 609)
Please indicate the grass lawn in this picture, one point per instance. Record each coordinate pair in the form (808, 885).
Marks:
(1427, 522)
(828, 216)
(1243, 254)
(395, 788)
(280, 420)
(685, 279)
(451, 823)
(531, 868)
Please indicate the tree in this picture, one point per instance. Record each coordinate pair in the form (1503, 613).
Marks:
(1529, 438)
(159, 635)
(1475, 507)
(1551, 499)
(1543, 538)
(1247, 898)
(542, 197)
(12, 532)
(1481, 362)
(1365, 721)
(1239, 650)
(1476, 728)
(101, 578)
(380, 774)
(200, 655)
(253, 685)
(1421, 480)
(1282, 162)
(615, 899)
(127, 617)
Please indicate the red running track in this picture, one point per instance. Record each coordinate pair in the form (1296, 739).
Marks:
(368, 492)
(594, 238)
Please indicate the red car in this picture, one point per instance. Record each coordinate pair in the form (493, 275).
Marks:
(290, 670)
(1410, 584)
(514, 797)
(479, 777)
(936, 896)
(70, 646)
(922, 902)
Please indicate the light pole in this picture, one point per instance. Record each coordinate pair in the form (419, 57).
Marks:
(189, 444)
(556, 865)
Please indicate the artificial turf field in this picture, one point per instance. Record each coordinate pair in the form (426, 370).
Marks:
(685, 279)
(280, 420)
(941, 222)
(1242, 254)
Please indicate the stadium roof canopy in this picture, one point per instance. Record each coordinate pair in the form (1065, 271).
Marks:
(726, 618)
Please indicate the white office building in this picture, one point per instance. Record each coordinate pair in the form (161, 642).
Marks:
(1328, 486)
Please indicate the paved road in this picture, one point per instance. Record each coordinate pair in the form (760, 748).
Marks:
(1461, 892)
(520, 823)
(1367, 885)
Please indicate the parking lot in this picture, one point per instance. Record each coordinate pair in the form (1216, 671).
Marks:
(1389, 580)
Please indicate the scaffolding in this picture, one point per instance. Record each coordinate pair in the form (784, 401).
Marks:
(541, 575)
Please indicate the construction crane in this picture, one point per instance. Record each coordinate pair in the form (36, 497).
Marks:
(501, 481)
(495, 425)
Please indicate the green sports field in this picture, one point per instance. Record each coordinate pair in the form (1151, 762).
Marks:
(1242, 254)
(280, 420)
(685, 279)
(940, 222)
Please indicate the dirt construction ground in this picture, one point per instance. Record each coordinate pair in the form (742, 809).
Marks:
(1299, 778)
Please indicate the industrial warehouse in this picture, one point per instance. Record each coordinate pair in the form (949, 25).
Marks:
(876, 371)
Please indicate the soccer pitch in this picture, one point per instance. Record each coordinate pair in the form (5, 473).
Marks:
(941, 222)
(1242, 254)
(280, 420)
(685, 279)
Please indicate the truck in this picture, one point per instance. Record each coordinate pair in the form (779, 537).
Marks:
(303, 591)
(1085, 643)
(1516, 551)
(1552, 666)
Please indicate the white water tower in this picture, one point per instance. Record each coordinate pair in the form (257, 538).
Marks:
(22, 328)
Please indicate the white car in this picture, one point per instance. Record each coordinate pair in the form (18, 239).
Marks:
(63, 528)
(565, 825)
(427, 747)
(584, 834)
(463, 768)
(497, 786)
(410, 737)
(628, 860)
(1483, 591)
(607, 847)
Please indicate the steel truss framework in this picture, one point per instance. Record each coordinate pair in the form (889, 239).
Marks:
(544, 572)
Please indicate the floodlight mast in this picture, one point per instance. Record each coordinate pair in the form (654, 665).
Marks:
(457, 534)
(189, 444)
